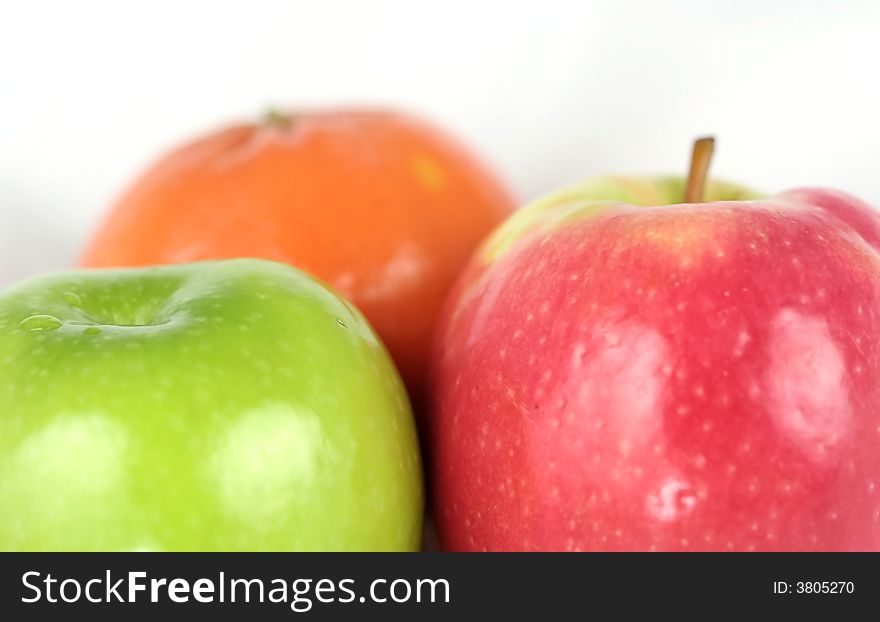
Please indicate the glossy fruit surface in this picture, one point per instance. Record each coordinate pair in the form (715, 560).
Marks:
(235, 405)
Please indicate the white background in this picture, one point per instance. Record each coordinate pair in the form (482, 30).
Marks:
(548, 91)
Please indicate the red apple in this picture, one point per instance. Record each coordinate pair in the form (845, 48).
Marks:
(678, 378)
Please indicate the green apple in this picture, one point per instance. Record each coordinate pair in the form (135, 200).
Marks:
(233, 405)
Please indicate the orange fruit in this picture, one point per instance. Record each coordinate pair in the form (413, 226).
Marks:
(382, 206)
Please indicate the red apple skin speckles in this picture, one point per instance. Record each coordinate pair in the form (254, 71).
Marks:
(854, 212)
(682, 378)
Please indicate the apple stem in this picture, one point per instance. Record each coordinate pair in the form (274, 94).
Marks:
(701, 157)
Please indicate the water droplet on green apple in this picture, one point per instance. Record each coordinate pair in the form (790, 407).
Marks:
(92, 330)
(341, 323)
(72, 298)
(40, 322)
